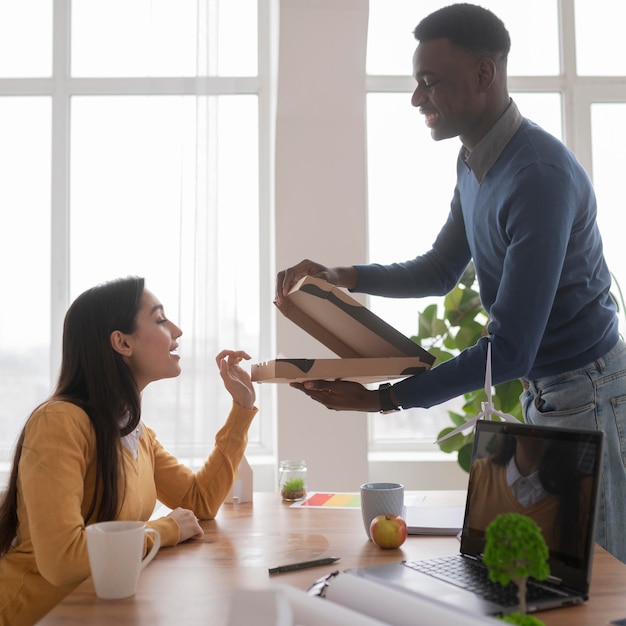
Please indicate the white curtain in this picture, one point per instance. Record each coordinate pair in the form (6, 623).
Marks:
(147, 136)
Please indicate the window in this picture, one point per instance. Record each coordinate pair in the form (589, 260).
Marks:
(583, 111)
(25, 124)
(608, 137)
(131, 145)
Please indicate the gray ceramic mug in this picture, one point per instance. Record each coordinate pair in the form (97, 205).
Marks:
(380, 499)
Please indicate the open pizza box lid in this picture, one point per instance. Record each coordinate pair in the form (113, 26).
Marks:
(370, 348)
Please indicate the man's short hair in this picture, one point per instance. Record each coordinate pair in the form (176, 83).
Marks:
(467, 26)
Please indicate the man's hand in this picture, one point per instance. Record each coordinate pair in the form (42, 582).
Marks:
(339, 276)
(341, 395)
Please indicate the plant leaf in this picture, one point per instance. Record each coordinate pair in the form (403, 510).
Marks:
(452, 444)
(469, 333)
(425, 322)
(464, 457)
(507, 397)
(457, 419)
(440, 355)
(450, 342)
(452, 301)
(469, 275)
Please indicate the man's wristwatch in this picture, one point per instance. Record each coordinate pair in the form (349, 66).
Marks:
(387, 405)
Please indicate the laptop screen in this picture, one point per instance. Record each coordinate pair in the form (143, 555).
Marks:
(548, 474)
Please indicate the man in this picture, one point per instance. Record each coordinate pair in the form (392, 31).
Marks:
(524, 211)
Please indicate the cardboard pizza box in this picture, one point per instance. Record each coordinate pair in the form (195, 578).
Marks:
(371, 349)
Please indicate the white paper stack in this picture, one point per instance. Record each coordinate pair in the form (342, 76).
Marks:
(398, 608)
(349, 601)
(287, 606)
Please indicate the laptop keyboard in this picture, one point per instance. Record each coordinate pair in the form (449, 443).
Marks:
(474, 577)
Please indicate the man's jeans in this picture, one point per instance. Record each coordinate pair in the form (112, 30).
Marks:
(592, 397)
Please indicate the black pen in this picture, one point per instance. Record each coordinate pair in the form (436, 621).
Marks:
(294, 566)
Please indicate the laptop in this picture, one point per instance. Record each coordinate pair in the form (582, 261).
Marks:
(561, 496)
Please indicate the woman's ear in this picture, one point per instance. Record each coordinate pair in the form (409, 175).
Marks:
(119, 343)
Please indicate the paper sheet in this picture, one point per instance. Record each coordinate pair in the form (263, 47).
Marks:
(315, 611)
(398, 608)
(434, 520)
(284, 605)
(330, 500)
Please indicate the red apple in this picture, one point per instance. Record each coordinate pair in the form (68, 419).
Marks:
(388, 531)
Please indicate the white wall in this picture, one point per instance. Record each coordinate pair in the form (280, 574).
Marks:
(321, 214)
(320, 207)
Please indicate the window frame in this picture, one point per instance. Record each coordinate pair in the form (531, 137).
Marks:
(61, 87)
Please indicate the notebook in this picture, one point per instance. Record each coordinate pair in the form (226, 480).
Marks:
(425, 518)
(561, 496)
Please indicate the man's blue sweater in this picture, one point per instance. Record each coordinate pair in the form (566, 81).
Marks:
(530, 228)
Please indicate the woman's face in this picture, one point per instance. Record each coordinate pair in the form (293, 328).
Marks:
(151, 350)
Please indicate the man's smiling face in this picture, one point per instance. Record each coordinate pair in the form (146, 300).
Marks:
(449, 91)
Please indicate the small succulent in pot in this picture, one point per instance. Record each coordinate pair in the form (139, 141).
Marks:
(293, 489)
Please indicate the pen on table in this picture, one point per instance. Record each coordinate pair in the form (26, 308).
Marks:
(303, 565)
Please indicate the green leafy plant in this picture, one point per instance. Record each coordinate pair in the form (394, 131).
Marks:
(461, 324)
(522, 620)
(515, 550)
(293, 484)
(293, 489)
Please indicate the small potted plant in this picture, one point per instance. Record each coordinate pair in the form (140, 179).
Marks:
(293, 489)
(515, 550)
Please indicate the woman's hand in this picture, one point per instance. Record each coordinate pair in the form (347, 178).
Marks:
(236, 380)
(187, 524)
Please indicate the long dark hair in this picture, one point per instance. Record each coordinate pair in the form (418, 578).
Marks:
(96, 378)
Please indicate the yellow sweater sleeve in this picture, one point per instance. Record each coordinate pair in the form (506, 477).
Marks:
(204, 491)
(53, 471)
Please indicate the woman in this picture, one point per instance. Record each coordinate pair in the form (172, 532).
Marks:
(539, 479)
(85, 456)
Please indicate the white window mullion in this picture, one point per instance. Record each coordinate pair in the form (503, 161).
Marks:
(60, 180)
(571, 118)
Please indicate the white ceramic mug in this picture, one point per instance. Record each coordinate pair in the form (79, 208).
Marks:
(380, 499)
(115, 555)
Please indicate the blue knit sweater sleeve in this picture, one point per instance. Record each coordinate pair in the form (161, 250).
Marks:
(530, 228)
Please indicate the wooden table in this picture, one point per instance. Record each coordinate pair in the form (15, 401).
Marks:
(192, 583)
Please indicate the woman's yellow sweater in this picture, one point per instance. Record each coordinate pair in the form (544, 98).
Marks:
(56, 482)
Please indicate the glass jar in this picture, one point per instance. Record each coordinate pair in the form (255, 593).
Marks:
(292, 480)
